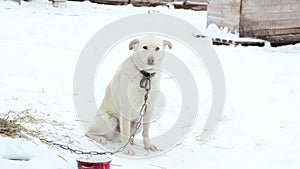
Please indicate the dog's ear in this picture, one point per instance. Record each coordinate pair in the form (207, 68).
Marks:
(133, 43)
(167, 43)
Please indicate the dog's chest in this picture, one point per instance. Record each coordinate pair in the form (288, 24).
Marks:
(128, 96)
(136, 92)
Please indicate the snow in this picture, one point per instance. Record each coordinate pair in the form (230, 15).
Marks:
(39, 48)
(213, 31)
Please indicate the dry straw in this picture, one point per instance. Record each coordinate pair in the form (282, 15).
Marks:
(31, 125)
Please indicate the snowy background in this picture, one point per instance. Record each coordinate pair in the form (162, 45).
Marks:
(39, 48)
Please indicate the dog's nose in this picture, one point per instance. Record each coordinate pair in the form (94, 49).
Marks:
(150, 60)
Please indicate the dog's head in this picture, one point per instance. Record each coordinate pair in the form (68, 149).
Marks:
(148, 51)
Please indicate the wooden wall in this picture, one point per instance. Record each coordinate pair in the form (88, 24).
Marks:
(273, 20)
(186, 4)
(224, 13)
(190, 4)
(270, 19)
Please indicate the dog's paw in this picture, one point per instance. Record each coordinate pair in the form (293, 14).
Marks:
(102, 140)
(150, 147)
(129, 150)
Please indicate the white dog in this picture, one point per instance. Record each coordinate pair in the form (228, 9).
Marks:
(119, 112)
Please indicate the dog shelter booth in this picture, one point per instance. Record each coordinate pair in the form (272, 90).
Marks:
(277, 21)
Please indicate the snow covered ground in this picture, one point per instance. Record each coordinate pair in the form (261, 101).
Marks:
(39, 48)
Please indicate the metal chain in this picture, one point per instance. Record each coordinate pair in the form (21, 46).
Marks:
(76, 151)
(145, 83)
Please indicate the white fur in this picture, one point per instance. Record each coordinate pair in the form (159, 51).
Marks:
(119, 111)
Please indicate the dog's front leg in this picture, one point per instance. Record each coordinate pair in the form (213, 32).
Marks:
(125, 134)
(147, 143)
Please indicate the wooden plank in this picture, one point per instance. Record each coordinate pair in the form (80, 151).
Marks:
(140, 3)
(283, 38)
(277, 24)
(224, 1)
(216, 7)
(189, 2)
(222, 10)
(222, 23)
(234, 19)
(230, 17)
(271, 16)
(273, 8)
(112, 2)
(275, 40)
(233, 27)
(268, 2)
(148, 1)
(193, 6)
(218, 41)
(203, 1)
(234, 4)
(223, 14)
(270, 32)
(220, 7)
(179, 1)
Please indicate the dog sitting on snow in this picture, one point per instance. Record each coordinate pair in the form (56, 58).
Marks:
(119, 112)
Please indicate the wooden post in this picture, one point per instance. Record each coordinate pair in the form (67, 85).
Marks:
(224, 13)
(59, 3)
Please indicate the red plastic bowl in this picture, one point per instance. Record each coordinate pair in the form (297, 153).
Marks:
(96, 162)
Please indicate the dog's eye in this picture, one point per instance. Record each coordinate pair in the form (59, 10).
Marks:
(145, 47)
(157, 49)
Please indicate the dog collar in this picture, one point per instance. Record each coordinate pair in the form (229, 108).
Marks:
(147, 74)
(145, 82)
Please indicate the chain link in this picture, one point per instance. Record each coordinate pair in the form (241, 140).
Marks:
(145, 83)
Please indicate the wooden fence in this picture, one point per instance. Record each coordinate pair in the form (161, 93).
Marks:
(277, 21)
(185, 4)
